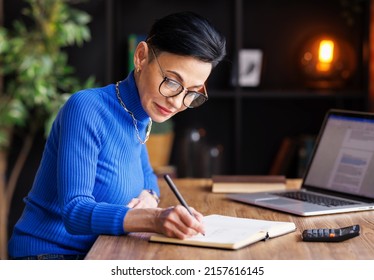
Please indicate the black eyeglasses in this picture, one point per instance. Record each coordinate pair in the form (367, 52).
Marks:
(170, 88)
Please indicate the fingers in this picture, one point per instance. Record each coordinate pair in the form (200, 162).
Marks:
(177, 222)
(133, 203)
(145, 200)
(194, 222)
(197, 215)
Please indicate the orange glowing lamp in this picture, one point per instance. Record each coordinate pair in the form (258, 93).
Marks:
(325, 55)
(327, 61)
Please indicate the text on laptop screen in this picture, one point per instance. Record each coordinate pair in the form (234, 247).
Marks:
(344, 158)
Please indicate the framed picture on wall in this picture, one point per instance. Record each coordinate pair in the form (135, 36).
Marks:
(250, 67)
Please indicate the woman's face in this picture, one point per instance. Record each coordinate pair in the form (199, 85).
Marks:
(191, 73)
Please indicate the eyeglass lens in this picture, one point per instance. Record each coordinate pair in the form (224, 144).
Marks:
(170, 88)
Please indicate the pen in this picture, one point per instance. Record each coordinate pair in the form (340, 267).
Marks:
(177, 193)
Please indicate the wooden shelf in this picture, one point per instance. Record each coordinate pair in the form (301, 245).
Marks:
(286, 93)
(238, 118)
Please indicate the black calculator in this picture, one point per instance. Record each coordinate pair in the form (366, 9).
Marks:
(330, 234)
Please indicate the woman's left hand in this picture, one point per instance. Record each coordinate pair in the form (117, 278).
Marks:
(144, 200)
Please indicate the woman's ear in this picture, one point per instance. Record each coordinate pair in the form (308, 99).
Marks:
(140, 56)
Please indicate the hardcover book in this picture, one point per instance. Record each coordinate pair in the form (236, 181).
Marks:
(247, 183)
(233, 233)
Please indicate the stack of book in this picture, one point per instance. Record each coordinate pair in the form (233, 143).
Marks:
(247, 183)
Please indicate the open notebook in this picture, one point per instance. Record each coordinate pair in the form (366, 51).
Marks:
(340, 174)
(227, 232)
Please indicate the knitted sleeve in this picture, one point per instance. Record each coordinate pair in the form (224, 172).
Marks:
(150, 179)
(81, 125)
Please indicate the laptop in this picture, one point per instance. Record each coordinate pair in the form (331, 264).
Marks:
(340, 174)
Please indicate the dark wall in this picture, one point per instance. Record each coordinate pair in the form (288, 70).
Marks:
(246, 126)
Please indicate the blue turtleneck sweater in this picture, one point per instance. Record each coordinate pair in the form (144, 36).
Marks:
(92, 166)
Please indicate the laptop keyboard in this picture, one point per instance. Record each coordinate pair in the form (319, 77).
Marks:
(316, 199)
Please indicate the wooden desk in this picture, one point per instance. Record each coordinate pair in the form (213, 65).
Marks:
(197, 193)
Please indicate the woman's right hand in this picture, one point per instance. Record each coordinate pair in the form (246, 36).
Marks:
(177, 222)
(172, 222)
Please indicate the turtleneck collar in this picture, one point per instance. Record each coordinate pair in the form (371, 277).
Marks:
(130, 96)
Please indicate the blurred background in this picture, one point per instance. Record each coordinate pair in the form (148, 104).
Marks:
(288, 62)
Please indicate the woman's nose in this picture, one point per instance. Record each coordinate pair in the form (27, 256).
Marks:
(177, 101)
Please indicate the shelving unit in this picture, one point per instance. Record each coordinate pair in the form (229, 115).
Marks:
(247, 125)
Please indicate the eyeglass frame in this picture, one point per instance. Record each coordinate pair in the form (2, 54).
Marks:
(183, 89)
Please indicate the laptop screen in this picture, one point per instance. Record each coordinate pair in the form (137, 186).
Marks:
(344, 157)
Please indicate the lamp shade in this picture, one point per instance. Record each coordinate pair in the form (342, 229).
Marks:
(327, 62)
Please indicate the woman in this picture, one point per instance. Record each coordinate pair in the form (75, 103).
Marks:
(95, 177)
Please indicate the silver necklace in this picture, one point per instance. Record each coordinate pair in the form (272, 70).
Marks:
(134, 120)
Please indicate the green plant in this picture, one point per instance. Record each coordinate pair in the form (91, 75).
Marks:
(162, 128)
(38, 78)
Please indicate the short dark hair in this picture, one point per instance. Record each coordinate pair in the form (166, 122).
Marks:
(188, 34)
